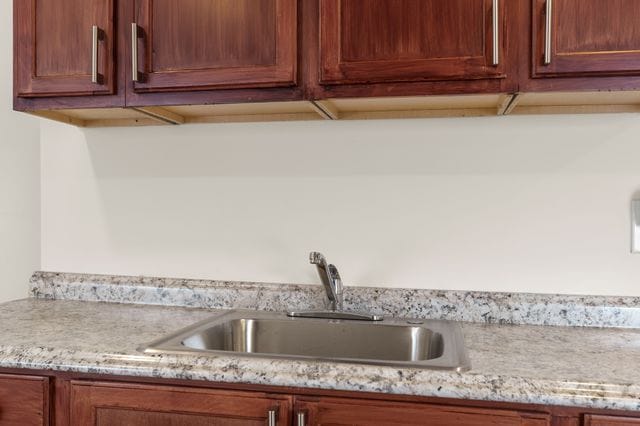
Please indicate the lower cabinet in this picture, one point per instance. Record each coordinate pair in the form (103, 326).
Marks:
(29, 400)
(354, 412)
(24, 400)
(109, 404)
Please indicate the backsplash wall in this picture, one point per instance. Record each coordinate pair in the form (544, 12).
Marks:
(19, 179)
(526, 204)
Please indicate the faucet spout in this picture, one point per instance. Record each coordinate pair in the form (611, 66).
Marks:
(330, 278)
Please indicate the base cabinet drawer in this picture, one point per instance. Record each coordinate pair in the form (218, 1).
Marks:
(114, 404)
(24, 400)
(595, 420)
(349, 412)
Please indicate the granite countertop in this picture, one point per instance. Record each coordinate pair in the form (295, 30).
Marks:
(576, 366)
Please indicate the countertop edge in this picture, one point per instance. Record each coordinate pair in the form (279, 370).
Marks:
(334, 376)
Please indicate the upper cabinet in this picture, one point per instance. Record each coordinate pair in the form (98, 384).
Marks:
(64, 47)
(365, 41)
(184, 45)
(185, 61)
(586, 38)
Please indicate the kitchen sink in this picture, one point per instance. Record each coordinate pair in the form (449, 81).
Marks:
(428, 344)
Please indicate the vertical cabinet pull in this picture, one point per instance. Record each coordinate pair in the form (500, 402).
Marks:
(496, 32)
(134, 52)
(302, 419)
(272, 417)
(94, 53)
(548, 32)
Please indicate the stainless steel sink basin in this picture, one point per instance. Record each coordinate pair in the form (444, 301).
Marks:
(407, 343)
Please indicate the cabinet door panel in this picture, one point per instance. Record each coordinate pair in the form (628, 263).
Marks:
(408, 40)
(345, 412)
(587, 37)
(54, 47)
(110, 404)
(593, 420)
(24, 400)
(119, 417)
(208, 44)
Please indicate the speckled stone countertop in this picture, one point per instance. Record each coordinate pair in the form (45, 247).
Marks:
(576, 366)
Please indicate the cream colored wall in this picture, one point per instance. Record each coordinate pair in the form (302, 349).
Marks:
(19, 180)
(532, 203)
(514, 203)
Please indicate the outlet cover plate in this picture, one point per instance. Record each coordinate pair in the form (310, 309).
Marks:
(635, 226)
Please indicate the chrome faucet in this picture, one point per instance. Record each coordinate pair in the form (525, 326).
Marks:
(330, 278)
(332, 282)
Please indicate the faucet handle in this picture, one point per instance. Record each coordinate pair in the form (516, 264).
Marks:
(316, 258)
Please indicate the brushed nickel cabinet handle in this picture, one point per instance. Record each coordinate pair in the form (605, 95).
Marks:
(496, 32)
(272, 417)
(94, 54)
(134, 52)
(302, 419)
(548, 32)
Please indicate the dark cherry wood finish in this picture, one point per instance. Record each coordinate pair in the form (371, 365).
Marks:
(365, 41)
(595, 420)
(530, 43)
(354, 412)
(53, 47)
(234, 93)
(24, 400)
(208, 44)
(114, 97)
(112, 404)
(194, 52)
(72, 393)
(426, 75)
(589, 37)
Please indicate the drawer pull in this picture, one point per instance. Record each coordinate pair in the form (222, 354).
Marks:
(272, 418)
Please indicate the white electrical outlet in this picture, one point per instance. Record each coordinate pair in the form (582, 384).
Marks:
(635, 226)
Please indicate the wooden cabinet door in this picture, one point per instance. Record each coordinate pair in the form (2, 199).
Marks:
(593, 420)
(113, 404)
(586, 37)
(24, 400)
(208, 44)
(350, 412)
(364, 41)
(55, 49)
